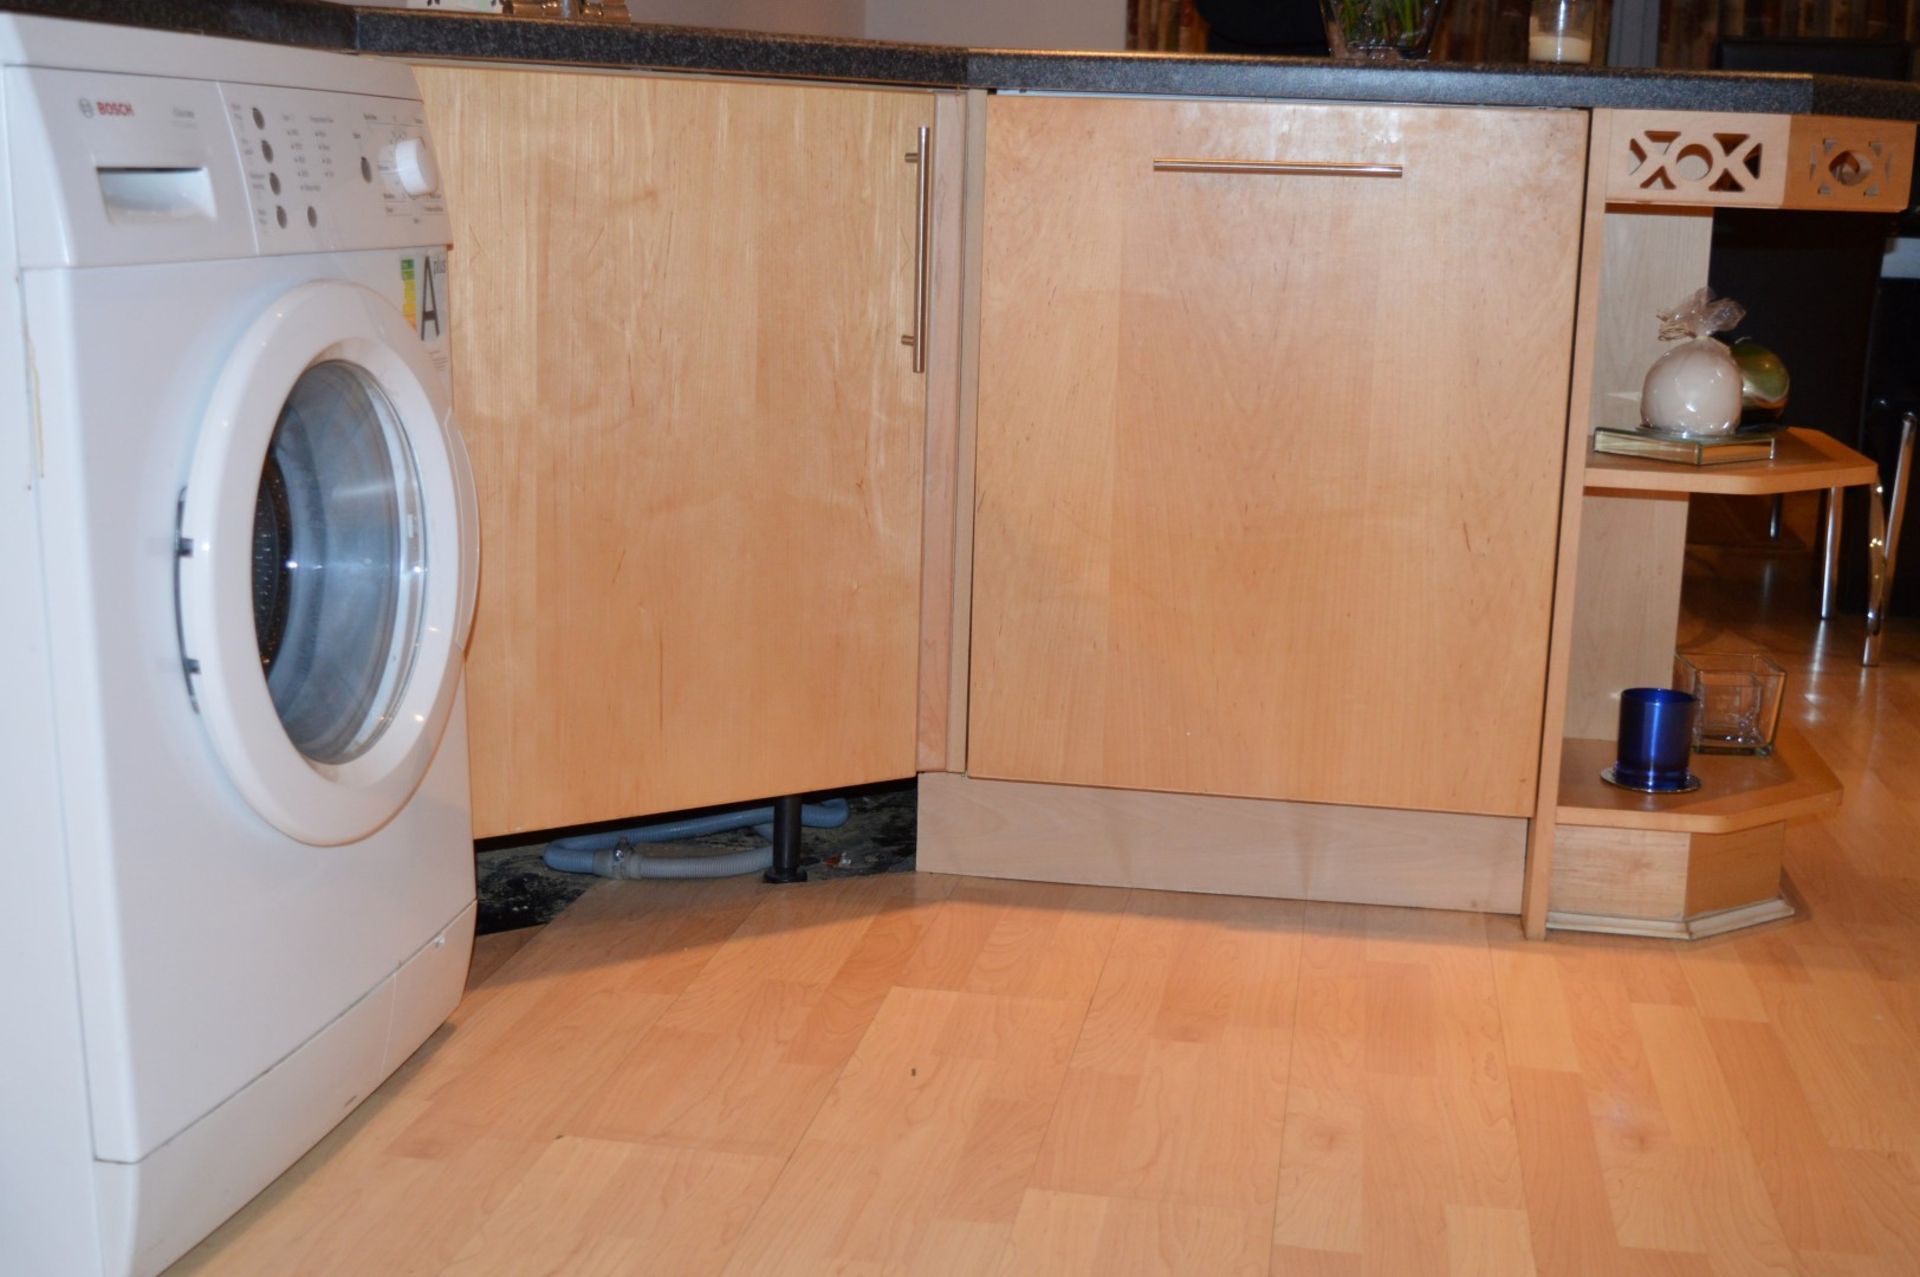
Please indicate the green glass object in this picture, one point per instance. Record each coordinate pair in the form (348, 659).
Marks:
(1763, 378)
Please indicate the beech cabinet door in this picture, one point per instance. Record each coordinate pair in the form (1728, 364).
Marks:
(696, 434)
(1272, 421)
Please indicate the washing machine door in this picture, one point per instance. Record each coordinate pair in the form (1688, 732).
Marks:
(327, 563)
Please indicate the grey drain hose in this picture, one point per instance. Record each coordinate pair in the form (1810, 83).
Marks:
(616, 854)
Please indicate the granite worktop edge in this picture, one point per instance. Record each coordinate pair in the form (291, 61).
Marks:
(430, 35)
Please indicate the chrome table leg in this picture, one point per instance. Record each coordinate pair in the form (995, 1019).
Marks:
(1883, 540)
(1830, 562)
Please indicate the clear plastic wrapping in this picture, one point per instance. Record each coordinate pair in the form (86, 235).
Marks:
(1701, 315)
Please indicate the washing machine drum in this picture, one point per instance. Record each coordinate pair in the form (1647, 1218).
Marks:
(327, 564)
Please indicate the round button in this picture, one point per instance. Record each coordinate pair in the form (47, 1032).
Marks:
(266, 150)
(313, 216)
(280, 214)
(366, 170)
(413, 165)
(259, 120)
(273, 182)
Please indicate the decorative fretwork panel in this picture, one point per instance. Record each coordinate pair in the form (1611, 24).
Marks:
(1836, 163)
(1694, 157)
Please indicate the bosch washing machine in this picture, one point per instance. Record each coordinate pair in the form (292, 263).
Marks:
(240, 566)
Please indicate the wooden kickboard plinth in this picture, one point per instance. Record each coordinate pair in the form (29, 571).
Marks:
(1218, 845)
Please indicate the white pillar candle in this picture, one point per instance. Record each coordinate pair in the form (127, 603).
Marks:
(1549, 46)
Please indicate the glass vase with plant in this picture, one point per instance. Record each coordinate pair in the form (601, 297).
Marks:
(1381, 28)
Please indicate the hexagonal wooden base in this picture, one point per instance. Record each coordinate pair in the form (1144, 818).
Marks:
(1663, 883)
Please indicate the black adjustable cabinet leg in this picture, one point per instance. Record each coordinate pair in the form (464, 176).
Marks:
(786, 842)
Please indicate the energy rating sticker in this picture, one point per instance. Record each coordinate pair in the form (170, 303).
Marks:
(409, 293)
(422, 281)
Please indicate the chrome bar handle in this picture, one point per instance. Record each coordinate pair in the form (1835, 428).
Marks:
(922, 254)
(1278, 168)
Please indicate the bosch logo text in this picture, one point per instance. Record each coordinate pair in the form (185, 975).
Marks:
(100, 106)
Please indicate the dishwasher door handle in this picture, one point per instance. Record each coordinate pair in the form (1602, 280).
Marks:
(922, 253)
(1278, 168)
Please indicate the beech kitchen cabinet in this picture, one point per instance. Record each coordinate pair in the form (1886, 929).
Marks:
(1271, 430)
(1240, 534)
(1290, 571)
(696, 433)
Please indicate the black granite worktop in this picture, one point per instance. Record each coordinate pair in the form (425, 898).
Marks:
(412, 33)
(303, 22)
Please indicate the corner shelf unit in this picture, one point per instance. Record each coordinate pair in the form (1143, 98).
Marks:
(1737, 791)
(1805, 460)
(1674, 865)
(1687, 865)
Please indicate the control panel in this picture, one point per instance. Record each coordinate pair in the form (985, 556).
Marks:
(155, 169)
(331, 170)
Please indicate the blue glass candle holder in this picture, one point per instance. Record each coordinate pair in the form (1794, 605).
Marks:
(1656, 741)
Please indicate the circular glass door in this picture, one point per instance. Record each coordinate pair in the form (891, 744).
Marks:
(339, 563)
(328, 564)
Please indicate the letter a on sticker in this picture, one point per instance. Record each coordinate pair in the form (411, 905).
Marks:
(430, 304)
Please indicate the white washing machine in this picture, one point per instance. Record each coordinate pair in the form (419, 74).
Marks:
(237, 566)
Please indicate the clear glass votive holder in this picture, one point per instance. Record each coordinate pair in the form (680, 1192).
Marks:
(1740, 694)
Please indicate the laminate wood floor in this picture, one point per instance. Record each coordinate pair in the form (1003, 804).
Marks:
(940, 1075)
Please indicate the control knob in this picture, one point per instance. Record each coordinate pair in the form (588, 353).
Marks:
(413, 165)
